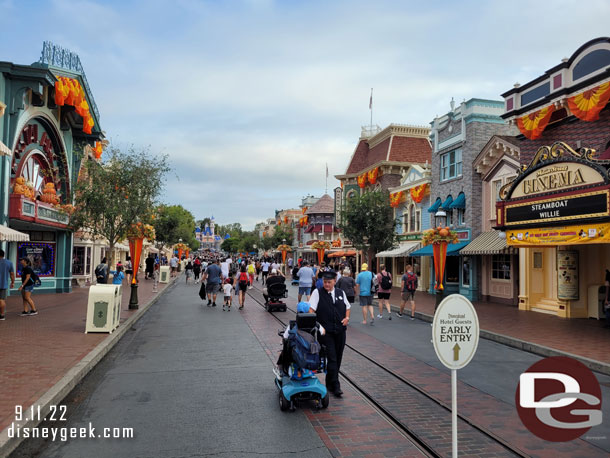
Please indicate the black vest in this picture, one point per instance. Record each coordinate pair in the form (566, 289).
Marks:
(331, 313)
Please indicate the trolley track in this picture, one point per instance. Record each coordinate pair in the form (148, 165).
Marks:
(425, 444)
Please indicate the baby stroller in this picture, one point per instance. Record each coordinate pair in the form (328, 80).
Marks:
(295, 278)
(276, 292)
(301, 358)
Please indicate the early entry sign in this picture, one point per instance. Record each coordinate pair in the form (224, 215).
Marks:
(455, 331)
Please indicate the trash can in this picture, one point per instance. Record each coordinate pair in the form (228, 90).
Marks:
(164, 274)
(103, 308)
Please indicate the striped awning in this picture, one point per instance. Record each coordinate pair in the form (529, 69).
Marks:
(403, 250)
(488, 243)
(11, 235)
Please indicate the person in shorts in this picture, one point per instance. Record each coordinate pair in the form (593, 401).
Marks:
(364, 281)
(6, 271)
(384, 278)
(213, 277)
(408, 287)
(306, 276)
(26, 288)
(228, 293)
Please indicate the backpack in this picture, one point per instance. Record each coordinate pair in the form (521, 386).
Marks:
(99, 270)
(386, 281)
(36, 279)
(411, 281)
(243, 279)
(305, 349)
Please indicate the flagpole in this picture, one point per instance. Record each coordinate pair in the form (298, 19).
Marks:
(371, 107)
(326, 188)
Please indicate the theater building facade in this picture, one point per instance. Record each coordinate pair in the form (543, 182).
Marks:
(49, 126)
(557, 210)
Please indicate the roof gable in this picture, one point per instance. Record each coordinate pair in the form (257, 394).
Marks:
(326, 204)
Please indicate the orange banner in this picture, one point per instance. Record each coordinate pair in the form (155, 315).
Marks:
(135, 250)
(533, 124)
(588, 104)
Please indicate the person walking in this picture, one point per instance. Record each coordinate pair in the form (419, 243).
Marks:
(101, 272)
(213, 278)
(129, 269)
(118, 275)
(384, 279)
(265, 267)
(332, 311)
(251, 272)
(607, 299)
(26, 288)
(173, 265)
(364, 282)
(150, 267)
(348, 285)
(197, 269)
(258, 269)
(243, 283)
(306, 276)
(408, 286)
(228, 294)
(6, 271)
(188, 270)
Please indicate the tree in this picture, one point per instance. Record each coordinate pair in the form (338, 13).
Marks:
(111, 196)
(368, 222)
(174, 222)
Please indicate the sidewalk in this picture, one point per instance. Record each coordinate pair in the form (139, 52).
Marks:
(39, 351)
(540, 333)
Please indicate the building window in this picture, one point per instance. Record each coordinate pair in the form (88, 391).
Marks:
(78, 260)
(405, 221)
(466, 271)
(411, 218)
(537, 260)
(497, 185)
(500, 267)
(451, 165)
(460, 216)
(452, 269)
(417, 220)
(449, 217)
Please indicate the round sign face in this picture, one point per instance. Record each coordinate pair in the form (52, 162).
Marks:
(455, 331)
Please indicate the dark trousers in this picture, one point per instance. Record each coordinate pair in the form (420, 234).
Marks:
(334, 343)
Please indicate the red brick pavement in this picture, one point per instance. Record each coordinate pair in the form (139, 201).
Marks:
(38, 351)
(431, 421)
(583, 337)
(350, 426)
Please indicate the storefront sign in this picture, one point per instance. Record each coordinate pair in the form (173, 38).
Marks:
(567, 275)
(561, 235)
(41, 256)
(415, 236)
(589, 205)
(557, 177)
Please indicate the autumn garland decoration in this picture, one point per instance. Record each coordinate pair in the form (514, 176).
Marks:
(68, 91)
(284, 247)
(141, 231)
(373, 174)
(418, 192)
(439, 234)
(362, 180)
(396, 198)
(320, 245)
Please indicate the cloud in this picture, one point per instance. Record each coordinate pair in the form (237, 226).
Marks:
(252, 98)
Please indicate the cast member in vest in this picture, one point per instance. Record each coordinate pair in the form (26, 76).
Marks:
(332, 308)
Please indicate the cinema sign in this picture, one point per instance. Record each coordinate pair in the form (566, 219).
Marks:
(559, 186)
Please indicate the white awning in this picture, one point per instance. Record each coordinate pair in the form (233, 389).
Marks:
(11, 235)
(121, 247)
(4, 150)
(152, 249)
(403, 250)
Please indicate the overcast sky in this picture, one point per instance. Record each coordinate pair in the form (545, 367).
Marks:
(251, 98)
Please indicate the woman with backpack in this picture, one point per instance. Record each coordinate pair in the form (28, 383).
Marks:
(384, 279)
(27, 286)
(243, 283)
(408, 288)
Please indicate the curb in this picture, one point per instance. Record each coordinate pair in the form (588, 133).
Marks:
(530, 347)
(75, 374)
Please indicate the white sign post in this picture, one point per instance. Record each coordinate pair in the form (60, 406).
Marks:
(455, 335)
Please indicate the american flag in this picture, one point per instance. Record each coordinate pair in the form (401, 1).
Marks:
(371, 100)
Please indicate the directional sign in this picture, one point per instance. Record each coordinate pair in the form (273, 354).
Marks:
(455, 331)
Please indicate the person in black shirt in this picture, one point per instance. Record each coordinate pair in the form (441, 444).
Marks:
(276, 277)
(26, 288)
(332, 309)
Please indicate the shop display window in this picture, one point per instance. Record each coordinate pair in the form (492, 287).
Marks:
(466, 271)
(500, 267)
(41, 256)
(452, 269)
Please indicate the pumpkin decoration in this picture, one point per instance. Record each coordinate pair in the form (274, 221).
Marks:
(49, 194)
(19, 187)
(439, 234)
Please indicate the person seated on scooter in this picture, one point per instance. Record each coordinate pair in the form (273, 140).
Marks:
(275, 277)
